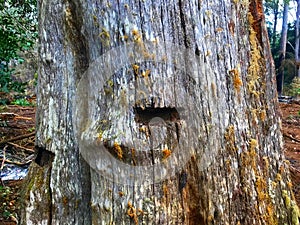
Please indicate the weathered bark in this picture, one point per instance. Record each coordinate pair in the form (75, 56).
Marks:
(235, 173)
(283, 41)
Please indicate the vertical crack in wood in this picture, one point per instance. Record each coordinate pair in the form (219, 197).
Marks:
(50, 197)
(183, 24)
(256, 10)
(74, 22)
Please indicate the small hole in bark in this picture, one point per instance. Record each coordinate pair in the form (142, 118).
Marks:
(197, 51)
(44, 157)
(144, 115)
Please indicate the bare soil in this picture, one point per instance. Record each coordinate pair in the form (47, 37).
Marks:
(17, 131)
(291, 133)
(17, 138)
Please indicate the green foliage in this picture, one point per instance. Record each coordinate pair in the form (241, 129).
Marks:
(5, 192)
(22, 102)
(18, 32)
(288, 65)
(293, 89)
(6, 82)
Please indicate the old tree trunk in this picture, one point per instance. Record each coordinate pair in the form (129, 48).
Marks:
(156, 112)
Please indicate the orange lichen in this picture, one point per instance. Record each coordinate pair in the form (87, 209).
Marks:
(237, 82)
(146, 73)
(230, 139)
(135, 32)
(166, 153)
(262, 115)
(135, 69)
(278, 177)
(289, 184)
(118, 150)
(131, 212)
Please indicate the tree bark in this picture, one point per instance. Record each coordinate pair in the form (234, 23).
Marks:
(205, 86)
(283, 41)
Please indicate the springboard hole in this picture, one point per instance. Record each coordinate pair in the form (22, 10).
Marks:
(168, 116)
(145, 115)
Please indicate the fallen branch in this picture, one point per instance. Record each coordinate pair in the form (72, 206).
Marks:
(17, 138)
(3, 160)
(22, 118)
(17, 163)
(21, 147)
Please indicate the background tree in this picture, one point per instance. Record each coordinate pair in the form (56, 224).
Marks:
(282, 52)
(234, 173)
(272, 9)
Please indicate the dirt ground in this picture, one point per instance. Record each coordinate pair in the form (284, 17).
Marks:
(17, 131)
(291, 133)
(17, 126)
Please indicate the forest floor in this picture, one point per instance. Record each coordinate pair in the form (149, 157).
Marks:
(17, 130)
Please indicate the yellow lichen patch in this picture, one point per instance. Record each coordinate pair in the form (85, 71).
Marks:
(230, 139)
(104, 37)
(287, 199)
(146, 73)
(262, 115)
(291, 204)
(99, 136)
(135, 32)
(228, 165)
(260, 188)
(166, 153)
(253, 144)
(289, 184)
(278, 177)
(135, 69)
(118, 150)
(255, 68)
(237, 82)
(137, 37)
(131, 212)
(165, 190)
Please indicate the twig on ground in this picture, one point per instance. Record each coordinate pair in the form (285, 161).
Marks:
(3, 159)
(291, 137)
(17, 138)
(18, 163)
(21, 147)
